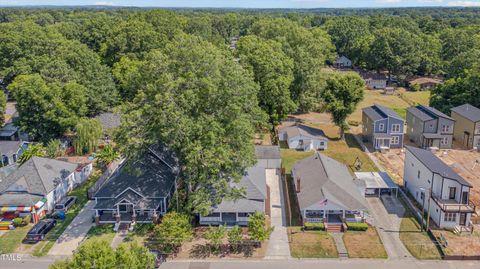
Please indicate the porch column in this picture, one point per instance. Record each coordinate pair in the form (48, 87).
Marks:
(221, 217)
(117, 216)
(155, 216)
(236, 216)
(134, 214)
(343, 213)
(97, 217)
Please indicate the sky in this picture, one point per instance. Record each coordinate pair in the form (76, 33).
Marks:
(248, 3)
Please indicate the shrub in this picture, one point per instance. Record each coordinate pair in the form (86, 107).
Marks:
(26, 220)
(257, 227)
(354, 123)
(415, 88)
(357, 226)
(17, 222)
(314, 226)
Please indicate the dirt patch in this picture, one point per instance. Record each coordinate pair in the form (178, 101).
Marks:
(463, 245)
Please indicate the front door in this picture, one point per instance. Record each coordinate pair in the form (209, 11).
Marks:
(463, 219)
(466, 138)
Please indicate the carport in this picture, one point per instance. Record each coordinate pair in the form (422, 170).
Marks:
(376, 183)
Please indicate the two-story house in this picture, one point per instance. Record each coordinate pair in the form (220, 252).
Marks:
(438, 189)
(382, 127)
(467, 125)
(427, 127)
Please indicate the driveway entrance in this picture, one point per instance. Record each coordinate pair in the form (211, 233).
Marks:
(387, 218)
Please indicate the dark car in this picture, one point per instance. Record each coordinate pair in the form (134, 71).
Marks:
(159, 258)
(40, 230)
(65, 203)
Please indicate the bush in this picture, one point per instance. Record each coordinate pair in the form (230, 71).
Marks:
(26, 220)
(357, 226)
(354, 123)
(309, 226)
(415, 88)
(17, 222)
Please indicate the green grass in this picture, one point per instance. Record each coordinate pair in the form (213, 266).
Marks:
(10, 241)
(415, 98)
(418, 243)
(366, 244)
(311, 244)
(100, 233)
(42, 248)
(401, 111)
(291, 156)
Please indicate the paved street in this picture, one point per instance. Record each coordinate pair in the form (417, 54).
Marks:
(387, 219)
(75, 232)
(278, 245)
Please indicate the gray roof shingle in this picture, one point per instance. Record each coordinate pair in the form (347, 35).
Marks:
(468, 111)
(378, 112)
(303, 130)
(267, 152)
(434, 164)
(322, 177)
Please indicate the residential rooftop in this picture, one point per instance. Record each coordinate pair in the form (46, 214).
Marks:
(267, 152)
(303, 130)
(468, 111)
(378, 112)
(426, 113)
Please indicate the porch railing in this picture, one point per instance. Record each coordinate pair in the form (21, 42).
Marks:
(457, 207)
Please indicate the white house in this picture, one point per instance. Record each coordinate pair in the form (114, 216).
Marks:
(303, 137)
(374, 81)
(343, 62)
(447, 193)
(326, 192)
(36, 186)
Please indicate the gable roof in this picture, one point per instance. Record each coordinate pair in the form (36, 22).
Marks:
(255, 184)
(267, 152)
(372, 75)
(434, 164)
(378, 112)
(426, 113)
(321, 178)
(303, 130)
(341, 59)
(37, 176)
(425, 80)
(468, 111)
(9, 147)
(149, 175)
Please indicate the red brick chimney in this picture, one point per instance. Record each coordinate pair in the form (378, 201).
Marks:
(298, 185)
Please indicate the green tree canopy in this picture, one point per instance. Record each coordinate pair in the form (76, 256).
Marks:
(88, 133)
(173, 231)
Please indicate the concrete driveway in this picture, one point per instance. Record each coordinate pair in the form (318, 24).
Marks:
(75, 232)
(278, 247)
(387, 217)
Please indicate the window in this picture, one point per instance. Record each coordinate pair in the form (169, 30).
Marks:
(450, 217)
(477, 131)
(422, 196)
(381, 127)
(395, 128)
(451, 194)
(431, 126)
(395, 140)
(322, 143)
(418, 174)
(213, 215)
(445, 128)
(444, 141)
(122, 208)
(244, 215)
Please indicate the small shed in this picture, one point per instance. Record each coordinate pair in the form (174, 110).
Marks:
(389, 90)
(268, 157)
(376, 183)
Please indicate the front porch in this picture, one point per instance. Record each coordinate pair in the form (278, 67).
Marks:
(382, 141)
(113, 216)
(332, 216)
(225, 218)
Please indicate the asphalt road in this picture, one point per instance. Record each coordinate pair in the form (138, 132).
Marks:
(42, 263)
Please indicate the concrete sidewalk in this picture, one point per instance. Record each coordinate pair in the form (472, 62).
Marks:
(278, 247)
(75, 232)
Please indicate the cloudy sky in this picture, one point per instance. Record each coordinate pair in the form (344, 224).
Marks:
(248, 3)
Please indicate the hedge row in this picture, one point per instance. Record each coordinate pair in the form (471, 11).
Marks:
(357, 226)
(314, 226)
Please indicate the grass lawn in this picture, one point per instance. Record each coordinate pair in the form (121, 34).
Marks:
(140, 233)
(10, 241)
(377, 97)
(364, 244)
(311, 244)
(460, 245)
(418, 243)
(42, 248)
(415, 98)
(100, 233)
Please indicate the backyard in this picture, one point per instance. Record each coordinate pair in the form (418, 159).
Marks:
(365, 244)
(371, 97)
(311, 244)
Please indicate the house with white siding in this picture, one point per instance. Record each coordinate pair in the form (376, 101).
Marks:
(302, 137)
(343, 62)
(438, 189)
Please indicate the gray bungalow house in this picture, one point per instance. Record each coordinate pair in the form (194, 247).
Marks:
(382, 127)
(326, 192)
(140, 190)
(236, 212)
(428, 127)
(467, 125)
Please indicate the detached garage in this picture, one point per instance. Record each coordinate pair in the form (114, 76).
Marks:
(268, 157)
(376, 183)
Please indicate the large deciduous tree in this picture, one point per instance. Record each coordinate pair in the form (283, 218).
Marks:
(87, 135)
(342, 94)
(273, 71)
(197, 100)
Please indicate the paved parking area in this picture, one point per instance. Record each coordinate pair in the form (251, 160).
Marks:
(387, 218)
(75, 232)
(278, 247)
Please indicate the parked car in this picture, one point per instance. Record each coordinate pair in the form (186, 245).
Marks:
(159, 258)
(40, 230)
(65, 203)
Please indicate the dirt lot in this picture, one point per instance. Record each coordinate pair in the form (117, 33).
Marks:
(462, 162)
(468, 245)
